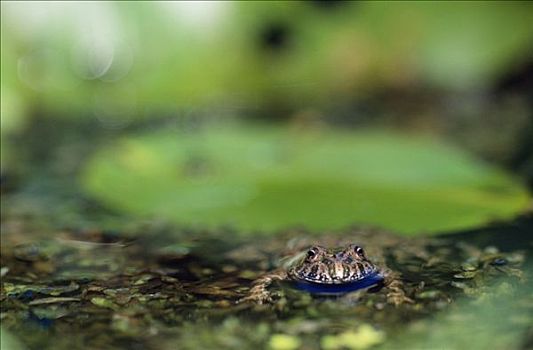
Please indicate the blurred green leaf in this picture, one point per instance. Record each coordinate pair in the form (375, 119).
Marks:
(267, 179)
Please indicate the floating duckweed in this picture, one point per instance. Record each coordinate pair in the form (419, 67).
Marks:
(3, 271)
(223, 304)
(49, 313)
(143, 280)
(103, 302)
(58, 290)
(465, 275)
(284, 342)
(205, 303)
(229, 268)
(175, 249)
(469, 267)
(429, 294)
(9, 287)
(120, 323)
(21, 289)
(491, 250)
(459, 285)
(248, 274)
(365, 337)
(169, 279)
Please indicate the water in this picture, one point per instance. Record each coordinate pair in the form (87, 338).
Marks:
(171, 287)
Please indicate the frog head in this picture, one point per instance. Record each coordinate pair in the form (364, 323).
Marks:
(332, 266)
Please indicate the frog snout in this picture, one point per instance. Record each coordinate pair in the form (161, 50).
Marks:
(338, 270)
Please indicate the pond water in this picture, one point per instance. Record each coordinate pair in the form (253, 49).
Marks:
(79, 274)
(105, 289)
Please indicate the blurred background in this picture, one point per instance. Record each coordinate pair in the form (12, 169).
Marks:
(241, 113)
(155, 156)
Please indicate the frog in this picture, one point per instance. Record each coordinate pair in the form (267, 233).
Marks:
(334, 271)
(334, 266)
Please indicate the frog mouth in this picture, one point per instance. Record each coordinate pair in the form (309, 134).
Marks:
(337, 274)
(373, 279)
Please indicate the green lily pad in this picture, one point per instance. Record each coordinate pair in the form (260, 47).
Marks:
(271, 178)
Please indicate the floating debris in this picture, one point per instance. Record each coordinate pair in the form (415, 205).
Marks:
(52, 300)
(187, 298)
(12, 289)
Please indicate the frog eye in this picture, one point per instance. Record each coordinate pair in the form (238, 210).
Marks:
(313, 252)
(359, 250)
